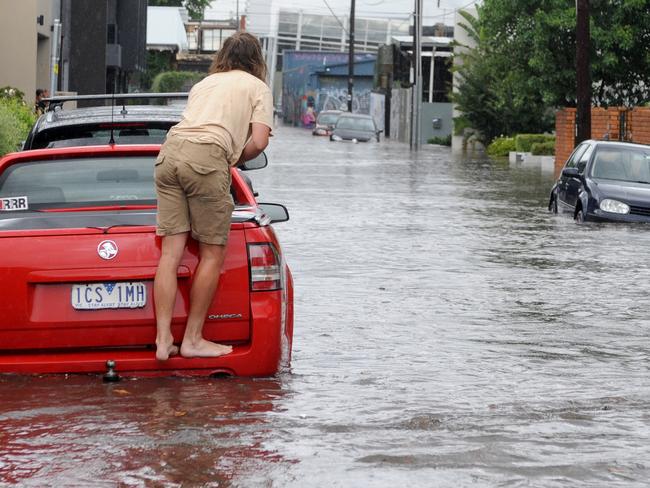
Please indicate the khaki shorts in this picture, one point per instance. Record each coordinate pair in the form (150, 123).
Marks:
(193, 188)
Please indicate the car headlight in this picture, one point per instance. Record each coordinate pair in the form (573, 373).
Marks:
(614, 206)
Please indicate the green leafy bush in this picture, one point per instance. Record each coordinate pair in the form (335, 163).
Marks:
(443, 141)
(501, 146)
(16, 119)
(175, 81)
(524, 142)
(543, 148)
(460, 124)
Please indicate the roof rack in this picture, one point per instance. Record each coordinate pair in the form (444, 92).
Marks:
(58, 101)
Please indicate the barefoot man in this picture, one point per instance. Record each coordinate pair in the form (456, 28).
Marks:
(192, 176)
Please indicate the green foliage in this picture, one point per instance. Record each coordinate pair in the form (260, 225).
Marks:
(524, 142)
(442, 141)
(16, 119)
(460, 124)
(9, 92)
(501, 146)
(157, 62)
(175, 81)
(543, 148)
(194, 7)
(524, 64)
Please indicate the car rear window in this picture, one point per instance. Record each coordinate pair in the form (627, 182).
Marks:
(327, 118)
(100, 134)
(81, 181)
(355, 123)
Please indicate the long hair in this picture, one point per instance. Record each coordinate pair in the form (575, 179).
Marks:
(240, 51)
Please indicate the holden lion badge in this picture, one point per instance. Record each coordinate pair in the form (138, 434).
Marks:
(107, 249)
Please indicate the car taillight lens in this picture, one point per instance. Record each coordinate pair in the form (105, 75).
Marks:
(265, 268)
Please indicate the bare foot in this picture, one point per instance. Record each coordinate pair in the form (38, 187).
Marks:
(204, 349)
(164, 352)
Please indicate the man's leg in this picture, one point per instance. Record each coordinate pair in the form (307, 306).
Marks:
(165, 286)
(202, 293)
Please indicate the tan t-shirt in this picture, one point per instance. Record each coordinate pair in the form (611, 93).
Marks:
(220, 109)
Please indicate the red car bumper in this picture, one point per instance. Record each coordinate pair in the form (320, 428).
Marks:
(263, 355)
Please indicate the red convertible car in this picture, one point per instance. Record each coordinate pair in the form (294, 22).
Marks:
(78, 253)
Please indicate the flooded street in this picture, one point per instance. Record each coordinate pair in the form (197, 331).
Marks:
(449, 332)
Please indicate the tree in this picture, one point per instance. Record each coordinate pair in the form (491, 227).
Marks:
(525, 61)
(496, 99)
(194, 7)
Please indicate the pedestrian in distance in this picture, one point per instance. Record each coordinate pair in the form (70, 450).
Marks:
(40, 105)
(227, 121)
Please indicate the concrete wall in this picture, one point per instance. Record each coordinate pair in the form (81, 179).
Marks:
(400, 114)
(25, 45)
(378, 109)
(18, 46)
(463, 43)
(430, 111)
(605, 125)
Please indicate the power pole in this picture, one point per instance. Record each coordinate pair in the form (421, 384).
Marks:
(351, 59)
(54, 59)
(417, 71)
(583, 76)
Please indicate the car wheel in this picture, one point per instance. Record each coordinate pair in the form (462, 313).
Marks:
(331, 138)
(580, 216)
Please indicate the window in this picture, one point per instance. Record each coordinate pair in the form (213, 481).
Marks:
(81, 181)
(584, 159)
(575, 156)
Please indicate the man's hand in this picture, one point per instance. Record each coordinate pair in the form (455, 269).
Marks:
(257, 142)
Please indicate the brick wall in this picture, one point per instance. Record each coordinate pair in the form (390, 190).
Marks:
(605, 123)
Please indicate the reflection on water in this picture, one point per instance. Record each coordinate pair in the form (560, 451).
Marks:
(77, 431)
(449, 332)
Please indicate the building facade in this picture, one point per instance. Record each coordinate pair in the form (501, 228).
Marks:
(25, 40)
(103, 46)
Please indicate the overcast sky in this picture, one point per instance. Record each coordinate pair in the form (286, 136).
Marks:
(395, 9)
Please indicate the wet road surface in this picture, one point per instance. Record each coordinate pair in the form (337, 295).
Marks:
(449, 332)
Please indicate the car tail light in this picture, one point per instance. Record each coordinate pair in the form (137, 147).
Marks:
(265, 267)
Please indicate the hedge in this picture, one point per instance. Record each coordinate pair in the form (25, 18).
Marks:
(543, 148)
(175, 81)
(524, 142)
(16, 119)
(501, 146)
(442, 141)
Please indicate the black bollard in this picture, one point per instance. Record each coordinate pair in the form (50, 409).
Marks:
(111, 376)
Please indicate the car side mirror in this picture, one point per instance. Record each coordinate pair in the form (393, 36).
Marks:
(275, 211)
(258, 162)
(570, 172)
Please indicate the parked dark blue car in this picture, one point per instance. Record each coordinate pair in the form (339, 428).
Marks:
(606, 181)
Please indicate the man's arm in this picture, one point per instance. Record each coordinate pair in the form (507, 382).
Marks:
(257, 143)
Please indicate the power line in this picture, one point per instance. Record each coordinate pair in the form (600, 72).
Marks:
(337, 19)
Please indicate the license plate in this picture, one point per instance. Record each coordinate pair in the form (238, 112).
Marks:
(93, 296)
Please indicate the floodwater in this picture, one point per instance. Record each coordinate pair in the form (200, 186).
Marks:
(449, 332)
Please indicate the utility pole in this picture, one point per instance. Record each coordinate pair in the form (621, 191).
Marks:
(583, 76)
(351, 58)
(54, 60)
(417, 72)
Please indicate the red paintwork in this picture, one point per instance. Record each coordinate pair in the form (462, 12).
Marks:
(40, 332)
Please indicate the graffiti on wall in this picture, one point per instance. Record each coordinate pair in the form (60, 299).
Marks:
(299, 107)
(334, 98)
(317, 81)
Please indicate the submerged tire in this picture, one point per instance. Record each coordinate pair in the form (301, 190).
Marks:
(580, 216)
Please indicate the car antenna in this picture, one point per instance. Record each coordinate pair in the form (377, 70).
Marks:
(111, 141)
